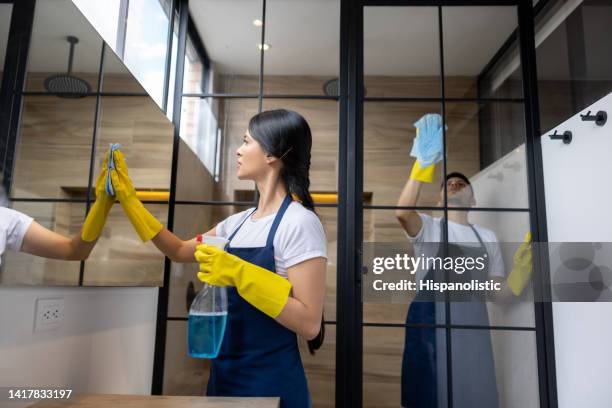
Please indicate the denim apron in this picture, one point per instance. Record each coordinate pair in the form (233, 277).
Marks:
(424, 369)
(259, 357)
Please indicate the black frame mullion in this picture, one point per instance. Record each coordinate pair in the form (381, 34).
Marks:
(13, 82)
(94, 139)
(539, 230)
(349, 331)
(157, 383)
(447, 305)
(261, 57)
(168, 64)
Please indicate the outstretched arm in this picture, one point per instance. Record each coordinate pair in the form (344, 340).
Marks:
(175, 248)
(41, 241)
(410, 220)
(145, 224)
(429, 132)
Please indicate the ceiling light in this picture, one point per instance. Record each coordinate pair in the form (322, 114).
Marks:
(257, 23)
(265, 47)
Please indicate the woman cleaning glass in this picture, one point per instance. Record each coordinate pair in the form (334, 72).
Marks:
(274, 265)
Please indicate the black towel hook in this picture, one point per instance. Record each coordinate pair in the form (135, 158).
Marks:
(600, 118)
(566, 136)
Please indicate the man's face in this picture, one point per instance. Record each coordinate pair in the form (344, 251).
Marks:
(459, 193)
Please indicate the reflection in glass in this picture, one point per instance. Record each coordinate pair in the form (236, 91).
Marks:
(390, 374)
(5, 24)
(486, 143)
(232, 42)
(54, 147)
(500, 232)
(466, 50)
(300, 59)
(234, 116)
(194, 77)
(201, 131)
(104, 16)
(117, 77)
(401, 52)
(194, 182)
(145, 135)
(492, 379)
(409, 367)
(120, 258)
(25, 269)
(172, 78)
(146, 44)
(572, 64)
(49, 49)
(389, 133)
(211, 131)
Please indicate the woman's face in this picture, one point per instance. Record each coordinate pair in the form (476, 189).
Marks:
(253, 161)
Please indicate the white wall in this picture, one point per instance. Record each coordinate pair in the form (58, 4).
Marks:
(578, 195)
(577, 179)
(504, 184)
(105, 344)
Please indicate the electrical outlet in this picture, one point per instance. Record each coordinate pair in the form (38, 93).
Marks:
(49, 314)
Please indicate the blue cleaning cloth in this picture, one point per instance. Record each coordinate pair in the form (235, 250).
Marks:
(427, 146)
(111, 166)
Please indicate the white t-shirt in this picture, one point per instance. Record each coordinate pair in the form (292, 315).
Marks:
(425, 242)
(13, 227)
(299, 236)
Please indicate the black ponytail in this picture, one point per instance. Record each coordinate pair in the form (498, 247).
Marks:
(285, 134)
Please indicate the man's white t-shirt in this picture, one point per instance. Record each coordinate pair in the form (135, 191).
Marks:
(299, 236)
(425, 240)
(13, 227)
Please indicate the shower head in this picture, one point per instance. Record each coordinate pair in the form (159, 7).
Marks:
(67, 85)
(332, 87)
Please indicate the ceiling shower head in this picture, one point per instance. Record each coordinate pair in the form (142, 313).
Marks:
(67, 85)
(332, 87)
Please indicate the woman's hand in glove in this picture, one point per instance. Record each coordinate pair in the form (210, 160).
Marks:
(96, 218)
(264, 289)
(145, 224)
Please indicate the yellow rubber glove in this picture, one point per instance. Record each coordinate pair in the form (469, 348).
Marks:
(425, 175)
(265, 290)
(521, 271)
(96, 218)
(145, 224)
(422, 174)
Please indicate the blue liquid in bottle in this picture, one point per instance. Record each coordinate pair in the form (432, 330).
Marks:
(206, 332)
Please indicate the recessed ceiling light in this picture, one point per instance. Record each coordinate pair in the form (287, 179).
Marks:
(265, 47)
(257, 23)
